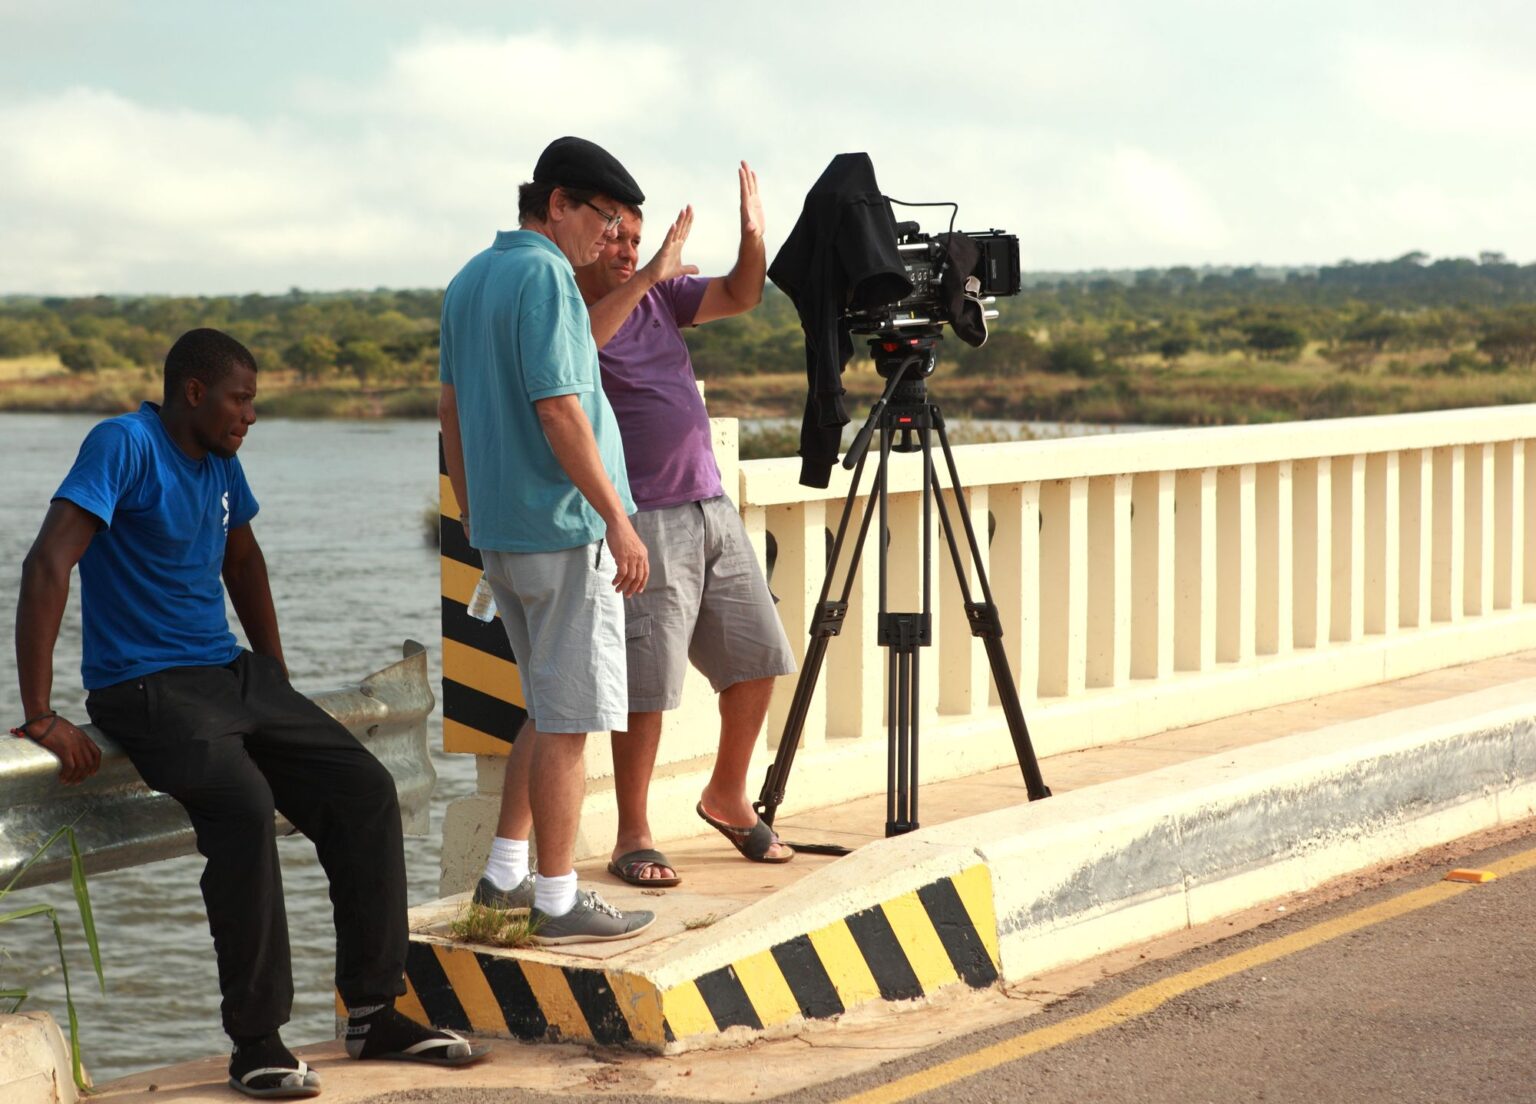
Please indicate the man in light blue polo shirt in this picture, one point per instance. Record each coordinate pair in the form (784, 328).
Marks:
(533, 451)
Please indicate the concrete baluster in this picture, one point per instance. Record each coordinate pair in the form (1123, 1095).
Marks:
(1312, 512)
(855, 663)
(1063, 587)
(1477, 585)
(905, 584)
(799, 528)
(1526, 491)
(1014, 571)
(1347, 620)
(963, 672)
(1236, 564)
(1109, 581)
(1274, 573)
(1416, 553)
(1194, 630)
(1152, 555)
(1519, 548)
(1383, 538)
(1450, 525)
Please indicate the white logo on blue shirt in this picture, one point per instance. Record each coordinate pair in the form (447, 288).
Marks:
(224, 500)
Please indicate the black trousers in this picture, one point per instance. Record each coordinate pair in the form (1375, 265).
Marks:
(232, 744)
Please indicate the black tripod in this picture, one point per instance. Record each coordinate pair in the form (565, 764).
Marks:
(906, 421)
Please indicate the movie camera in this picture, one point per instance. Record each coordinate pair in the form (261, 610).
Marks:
(956, 279)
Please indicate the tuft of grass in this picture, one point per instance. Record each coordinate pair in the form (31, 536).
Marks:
(695, 922)
(491, 927)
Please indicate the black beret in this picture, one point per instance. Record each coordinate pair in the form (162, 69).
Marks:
(578, 163)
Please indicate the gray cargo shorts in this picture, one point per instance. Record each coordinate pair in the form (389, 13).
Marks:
(706, 601)
(565, 623)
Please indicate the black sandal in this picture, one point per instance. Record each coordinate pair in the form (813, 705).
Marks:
(753, 842)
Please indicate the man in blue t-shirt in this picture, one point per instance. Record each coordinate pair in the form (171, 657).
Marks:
(157, 514)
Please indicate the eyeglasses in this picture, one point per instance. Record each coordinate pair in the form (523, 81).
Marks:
(611, 221)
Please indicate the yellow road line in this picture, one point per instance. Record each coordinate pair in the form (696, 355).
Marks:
(1154, 996)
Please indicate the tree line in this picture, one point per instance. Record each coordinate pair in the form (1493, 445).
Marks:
(1459, 315)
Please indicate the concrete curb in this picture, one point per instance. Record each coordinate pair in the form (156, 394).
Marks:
(1013, 893)
(34, 1061)
(1123, 862)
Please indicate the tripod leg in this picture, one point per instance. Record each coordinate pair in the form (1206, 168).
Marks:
(827, 623)
(985, 622)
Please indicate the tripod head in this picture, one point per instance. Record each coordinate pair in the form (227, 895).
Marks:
(905, 361)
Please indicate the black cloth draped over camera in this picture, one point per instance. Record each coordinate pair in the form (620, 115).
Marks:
(840, 256)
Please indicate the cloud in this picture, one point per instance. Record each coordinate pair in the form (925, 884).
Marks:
(1443, 88)
(1104, 146)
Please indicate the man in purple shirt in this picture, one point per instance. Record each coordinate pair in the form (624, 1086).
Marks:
(707, 600)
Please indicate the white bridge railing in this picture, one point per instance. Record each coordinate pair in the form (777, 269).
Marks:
(1145, 581)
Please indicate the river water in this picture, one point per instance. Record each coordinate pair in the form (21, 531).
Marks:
(340, 524)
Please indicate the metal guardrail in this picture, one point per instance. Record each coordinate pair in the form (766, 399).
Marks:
(120, 822)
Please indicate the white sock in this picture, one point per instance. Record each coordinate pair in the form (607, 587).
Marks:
(508, 864)
(554, 896)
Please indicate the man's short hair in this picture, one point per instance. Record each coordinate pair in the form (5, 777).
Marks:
(205, 354)
(533, 200)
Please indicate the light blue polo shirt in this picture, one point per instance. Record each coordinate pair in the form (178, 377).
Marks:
(515, 330)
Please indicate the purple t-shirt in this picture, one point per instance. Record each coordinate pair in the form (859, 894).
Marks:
(648, 379)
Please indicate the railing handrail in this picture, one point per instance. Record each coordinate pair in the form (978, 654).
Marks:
(776, 482)
(120, 822)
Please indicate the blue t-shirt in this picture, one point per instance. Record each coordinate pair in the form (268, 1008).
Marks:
(515, 330)
(151, 595)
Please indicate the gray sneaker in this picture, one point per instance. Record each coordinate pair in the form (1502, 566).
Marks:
(517, 899)
(591, 920)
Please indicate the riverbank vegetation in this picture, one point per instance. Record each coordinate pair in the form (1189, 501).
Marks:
(1159, 346)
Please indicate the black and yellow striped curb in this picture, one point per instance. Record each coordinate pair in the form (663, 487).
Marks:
(942, 934)
(482, 693)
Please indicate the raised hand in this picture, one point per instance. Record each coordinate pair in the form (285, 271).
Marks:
(751, 203)
(668, 261)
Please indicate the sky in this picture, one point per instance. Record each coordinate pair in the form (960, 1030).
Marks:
(172, 146)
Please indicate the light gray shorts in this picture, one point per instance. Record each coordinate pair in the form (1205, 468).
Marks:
(706, 601)
(565, 623)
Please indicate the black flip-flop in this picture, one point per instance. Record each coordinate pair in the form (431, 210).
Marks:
(292, 1083)
(753, 842)
(627, 869)
(459, 1051)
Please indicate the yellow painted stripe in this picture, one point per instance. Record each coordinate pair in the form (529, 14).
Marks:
(447, 503)
(553, 994)
(410, 1004)
(641, 1004)
(467, 980)
(459, 579)
(975, 889)
(460, 738)
(686, 1011)
(1154, 996)
(925, 953)
(844, 964)
(482, 671)
(766, 988)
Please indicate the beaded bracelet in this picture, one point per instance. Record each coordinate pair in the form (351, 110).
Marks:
(20, 730)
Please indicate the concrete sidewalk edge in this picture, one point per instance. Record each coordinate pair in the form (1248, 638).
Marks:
(1013, 893)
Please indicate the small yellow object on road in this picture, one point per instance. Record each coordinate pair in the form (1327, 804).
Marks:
(1471, 876)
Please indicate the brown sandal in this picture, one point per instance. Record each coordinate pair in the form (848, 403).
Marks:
(630, 868)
